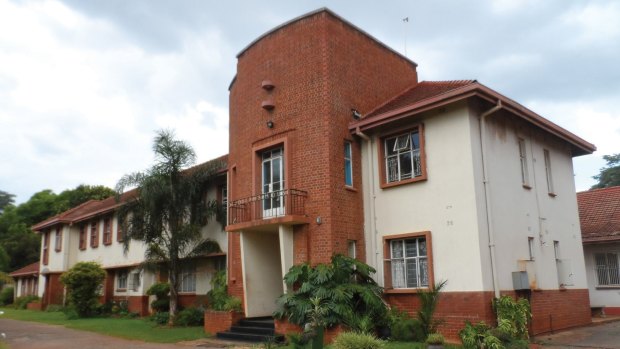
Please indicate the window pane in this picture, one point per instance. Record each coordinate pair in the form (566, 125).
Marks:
(398, 273)
(392, 169)
(423, 272)
(415, 140)
(347, 150)
(417, 163)
(612, 262)
(397, 249)
(389, 146)
(402, 143)
(411, 248)
(601, 268)
(405, 165)
(412, 273)
(348, 174)
(422, 246)
(277, 173)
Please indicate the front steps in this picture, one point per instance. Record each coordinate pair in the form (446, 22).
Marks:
(259, 329)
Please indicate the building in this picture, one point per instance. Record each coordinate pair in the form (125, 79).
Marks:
(26, 280)
(90, 232)
(336, 147)
(599, 213)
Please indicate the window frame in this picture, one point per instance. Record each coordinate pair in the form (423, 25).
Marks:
(348, 159)
(107, 230)
(188, 271)
(549, 173)
(387, 261)
(523, 159)
(383, 158)
(94, 233)
(46, 247)
(122, 274)
(83, 238)
(607, 270)
(58, 240)
(120, 233)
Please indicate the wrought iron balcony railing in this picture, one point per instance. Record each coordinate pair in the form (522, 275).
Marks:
(269, 205)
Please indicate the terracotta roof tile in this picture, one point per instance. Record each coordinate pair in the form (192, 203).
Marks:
(418, 92)
(30, 269)
(599, 213)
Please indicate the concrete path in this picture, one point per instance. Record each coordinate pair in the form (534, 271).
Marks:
(30, 335)
(602, 336)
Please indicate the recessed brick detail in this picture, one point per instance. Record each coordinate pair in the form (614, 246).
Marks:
(218, 321)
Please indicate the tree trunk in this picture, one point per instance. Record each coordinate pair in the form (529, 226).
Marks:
(173, 306)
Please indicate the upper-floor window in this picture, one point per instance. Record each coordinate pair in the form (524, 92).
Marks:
(83, 237)
(224, 199)
(94, 234)
(121, 279)
(58, 240)
(187, 279)
(348, 165)
(607, 269)
(107, 231)
(408, 262)
(46, 247)
(403, 156)
(120, 233)
(525, 176)
(548, 172)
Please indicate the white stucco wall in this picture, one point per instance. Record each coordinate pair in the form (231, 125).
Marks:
(444, 204)
(600, 296)
(519, 212)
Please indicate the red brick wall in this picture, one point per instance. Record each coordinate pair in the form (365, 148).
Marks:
(54, 290)
(559, 309)
(321, 68)
(135, 304)
(219, 321)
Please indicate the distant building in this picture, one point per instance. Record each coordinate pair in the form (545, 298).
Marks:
(26, 280)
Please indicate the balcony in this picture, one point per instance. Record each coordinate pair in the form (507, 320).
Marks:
(266, 211)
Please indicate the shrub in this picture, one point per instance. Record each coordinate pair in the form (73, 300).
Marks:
(54, 308)
(161, 318)
(218, 298)
(435, 339)
(161, 291)
(190, 317)
(6, 295)
(298, 340)
(428, 304)
(479, 336)
(513, 316)
(404, 328)
(353, 340)
(71, 313)
(83, 282)
(22, 302)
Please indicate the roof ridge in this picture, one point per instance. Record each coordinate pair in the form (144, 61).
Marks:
(393, 98)
(615, 187)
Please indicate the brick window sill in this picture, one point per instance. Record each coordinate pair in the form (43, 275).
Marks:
(552, 195)
(527, 186)
(351, 189)
(407, 181)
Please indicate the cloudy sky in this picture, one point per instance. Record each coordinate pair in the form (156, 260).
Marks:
(84, 84)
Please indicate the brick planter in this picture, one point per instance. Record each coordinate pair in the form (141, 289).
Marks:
(219, 321)
(34, 306)
(283, 327)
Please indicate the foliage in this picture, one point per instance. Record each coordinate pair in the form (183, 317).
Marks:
(403, 327)
(218, 298)
(53, 308)
(5, 279)
(362, 324)
(191, 316)
(345, 288)
(513, 316)
(435, 338)
(73, 197)
(161, 318)
(428, 305)
(479, 336)
(610, 174)
(6, 295)
(298, 340)
(354, 340)
(6, 199)
(83, 281)
(22, 302)
(169, 209)
(161, 291)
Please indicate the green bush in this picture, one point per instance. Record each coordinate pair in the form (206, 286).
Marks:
(83, 282)
(435, 338)
(354, 340)
(22, 302)
(479, 335)
(190, 317)
(404, 328)
(70, 313)
(54, 308)
(218, 298)
(513, 316)
(6, 295)
(161, 318)
(161, 291)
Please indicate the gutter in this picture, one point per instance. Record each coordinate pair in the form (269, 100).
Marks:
(487, 194)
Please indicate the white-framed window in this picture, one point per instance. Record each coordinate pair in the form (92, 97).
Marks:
(121, 279)
(525, 176)
(348, 164)
(134, 280)
(58, 239)
(548, 171)
(187, 279)
(530, 247)
(607, 269)
(409, 263)
(351, 246)
(402, 154)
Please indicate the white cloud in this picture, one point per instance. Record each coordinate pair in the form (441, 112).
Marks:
(596, 22)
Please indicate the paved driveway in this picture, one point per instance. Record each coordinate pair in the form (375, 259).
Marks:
(29, 335)
(605, 336)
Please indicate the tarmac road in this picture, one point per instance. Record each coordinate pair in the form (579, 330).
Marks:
(603, 336)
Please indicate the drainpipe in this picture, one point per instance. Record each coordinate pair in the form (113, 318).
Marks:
(371, 190)
(487, 194)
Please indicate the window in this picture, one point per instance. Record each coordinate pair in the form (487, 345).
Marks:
(607, 270)
(408, 262)
(94, 234)
(120, 233)
(548, 171)
(187, 279)
(82, 237)
(46, 244)
(58, 240)
(107, 231)
(121, 280)
(525, 176)
(556, 249)
(134, 280)
(224, 200)
(351, 248)
(348, 165)
(530, 247)
(403, 156)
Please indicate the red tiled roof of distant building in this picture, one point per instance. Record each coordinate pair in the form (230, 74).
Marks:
(599, 213)
(30, 269)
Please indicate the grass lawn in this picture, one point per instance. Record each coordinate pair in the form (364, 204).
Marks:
(139, 329)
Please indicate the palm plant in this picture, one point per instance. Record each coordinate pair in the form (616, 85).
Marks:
(428, 304)
(168, 208)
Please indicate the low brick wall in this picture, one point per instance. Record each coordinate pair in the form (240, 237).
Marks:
(34, 306)
(219, 321)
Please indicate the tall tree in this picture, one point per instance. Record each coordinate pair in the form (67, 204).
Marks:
(610, 174)
(72, 197)
(6, 199)
(169, 209)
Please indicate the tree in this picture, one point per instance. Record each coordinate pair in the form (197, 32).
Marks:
(82, 193)
(83, 282)
(6, 199)
(610, 175)
(169, 209)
